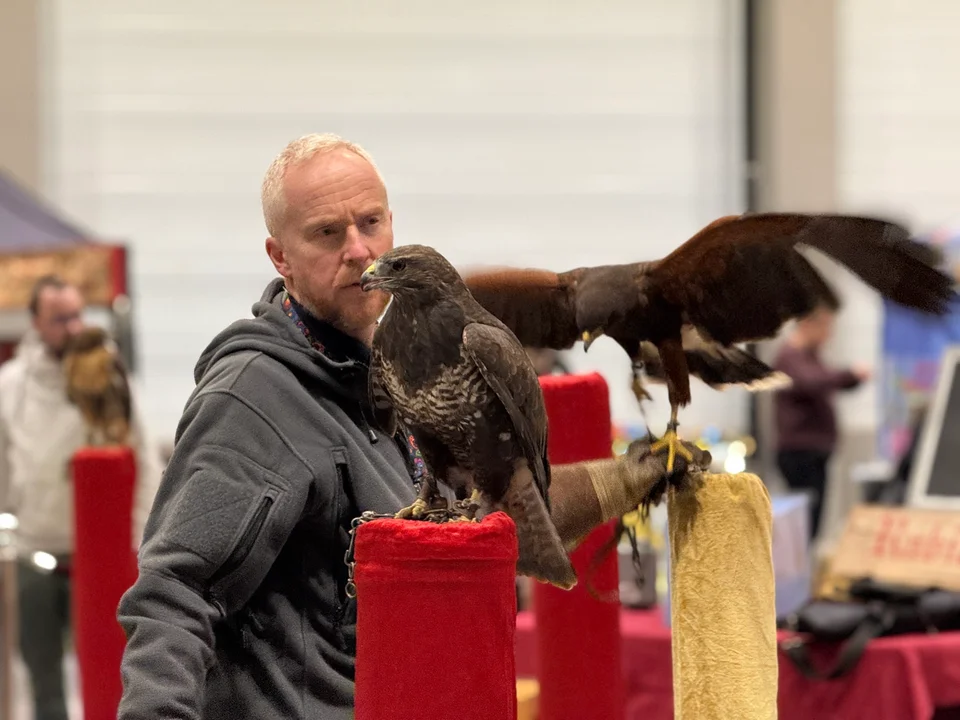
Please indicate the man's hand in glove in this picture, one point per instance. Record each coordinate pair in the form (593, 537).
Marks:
(586, 494)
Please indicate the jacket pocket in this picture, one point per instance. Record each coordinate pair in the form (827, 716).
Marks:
(247, 540)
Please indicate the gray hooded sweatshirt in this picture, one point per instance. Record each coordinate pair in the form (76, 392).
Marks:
(239, 610)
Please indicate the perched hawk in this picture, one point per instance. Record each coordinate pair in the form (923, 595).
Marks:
(97, 384)
(737, 280)
(459, 381)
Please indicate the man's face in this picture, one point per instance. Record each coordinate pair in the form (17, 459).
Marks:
(336, 223)
(59, 317)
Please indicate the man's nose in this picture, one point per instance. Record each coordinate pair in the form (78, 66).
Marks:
(355, 249)
(74, 326)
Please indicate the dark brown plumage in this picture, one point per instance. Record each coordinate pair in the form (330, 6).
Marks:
(459, 381)
(97, 384)
(737, 280)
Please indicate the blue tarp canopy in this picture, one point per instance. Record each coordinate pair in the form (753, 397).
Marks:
(28, 225)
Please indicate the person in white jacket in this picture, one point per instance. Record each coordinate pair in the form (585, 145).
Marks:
(40, 430)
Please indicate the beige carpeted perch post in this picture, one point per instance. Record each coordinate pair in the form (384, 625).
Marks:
(722, 608)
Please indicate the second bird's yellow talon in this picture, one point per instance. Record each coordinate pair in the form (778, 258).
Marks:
(671, 443)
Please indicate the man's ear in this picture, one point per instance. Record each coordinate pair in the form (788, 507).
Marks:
(277, 256)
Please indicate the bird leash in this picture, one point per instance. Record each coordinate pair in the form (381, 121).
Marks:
(630, 531)
(435, 515)
(348, 556)
(622, 527)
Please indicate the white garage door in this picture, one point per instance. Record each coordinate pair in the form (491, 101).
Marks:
(535, 133)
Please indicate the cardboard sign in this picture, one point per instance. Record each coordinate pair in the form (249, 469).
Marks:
(908, 546)
(99, 271)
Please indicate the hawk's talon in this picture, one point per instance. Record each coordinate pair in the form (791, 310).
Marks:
(672, 444)
(415, 511)
(469, 506)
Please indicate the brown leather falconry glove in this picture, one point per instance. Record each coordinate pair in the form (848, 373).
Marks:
(586, 494)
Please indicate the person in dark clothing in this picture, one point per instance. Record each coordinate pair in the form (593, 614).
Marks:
(240, 607)
(805, 417)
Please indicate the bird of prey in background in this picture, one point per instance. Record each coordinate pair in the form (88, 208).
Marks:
(97, 384)
(461, 384)
(737, 280)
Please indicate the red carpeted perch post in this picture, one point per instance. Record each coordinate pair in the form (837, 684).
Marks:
(578, 636)
(436, 616)
(104, 566)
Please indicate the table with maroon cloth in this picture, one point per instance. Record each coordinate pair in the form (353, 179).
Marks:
(908, 677)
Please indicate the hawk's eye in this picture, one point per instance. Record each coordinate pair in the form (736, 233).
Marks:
(398, 265)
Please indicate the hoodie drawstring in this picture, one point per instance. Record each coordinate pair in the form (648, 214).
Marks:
(366, 426)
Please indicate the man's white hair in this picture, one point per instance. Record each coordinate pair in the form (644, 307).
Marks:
(272, 196)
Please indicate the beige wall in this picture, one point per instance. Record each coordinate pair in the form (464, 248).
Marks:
(19, 91)
(161, 137)
(797, 128)
(797, 69)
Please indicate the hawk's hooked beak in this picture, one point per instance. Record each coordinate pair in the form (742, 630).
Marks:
(370, 280)
(588, 337)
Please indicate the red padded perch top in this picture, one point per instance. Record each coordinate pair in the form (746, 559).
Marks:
(578, 636)
(104, 566)
(436, 615)
(578, 408)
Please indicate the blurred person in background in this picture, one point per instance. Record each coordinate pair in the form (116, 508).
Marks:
(40, 430)
(240, 608)
(805, 415)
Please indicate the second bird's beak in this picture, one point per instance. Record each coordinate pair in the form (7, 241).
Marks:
(588, 338)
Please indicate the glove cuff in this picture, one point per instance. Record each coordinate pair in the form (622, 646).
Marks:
(611, 481)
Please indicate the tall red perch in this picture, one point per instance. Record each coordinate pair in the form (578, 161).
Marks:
(104, 566)
(436, 617)
(578, 636)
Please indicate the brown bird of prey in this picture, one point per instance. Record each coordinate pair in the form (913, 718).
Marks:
(97, 384)
(461, 384)
(737, 280)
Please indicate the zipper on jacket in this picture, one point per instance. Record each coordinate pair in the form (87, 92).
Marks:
(342, 473)
(340, 605)
(246, 543)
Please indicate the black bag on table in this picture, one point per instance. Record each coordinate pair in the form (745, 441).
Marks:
(875, 609)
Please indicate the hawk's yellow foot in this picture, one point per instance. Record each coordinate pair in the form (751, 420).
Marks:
(671, 443)
(469, 506)
(414, 511)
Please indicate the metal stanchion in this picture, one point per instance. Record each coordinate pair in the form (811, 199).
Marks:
(8, 615)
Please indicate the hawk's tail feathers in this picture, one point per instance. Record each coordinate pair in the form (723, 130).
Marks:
(542, 555)
(721, 366)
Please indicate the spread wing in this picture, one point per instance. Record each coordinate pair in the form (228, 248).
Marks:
(740, 278)
(537, 305)
(507, 369)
